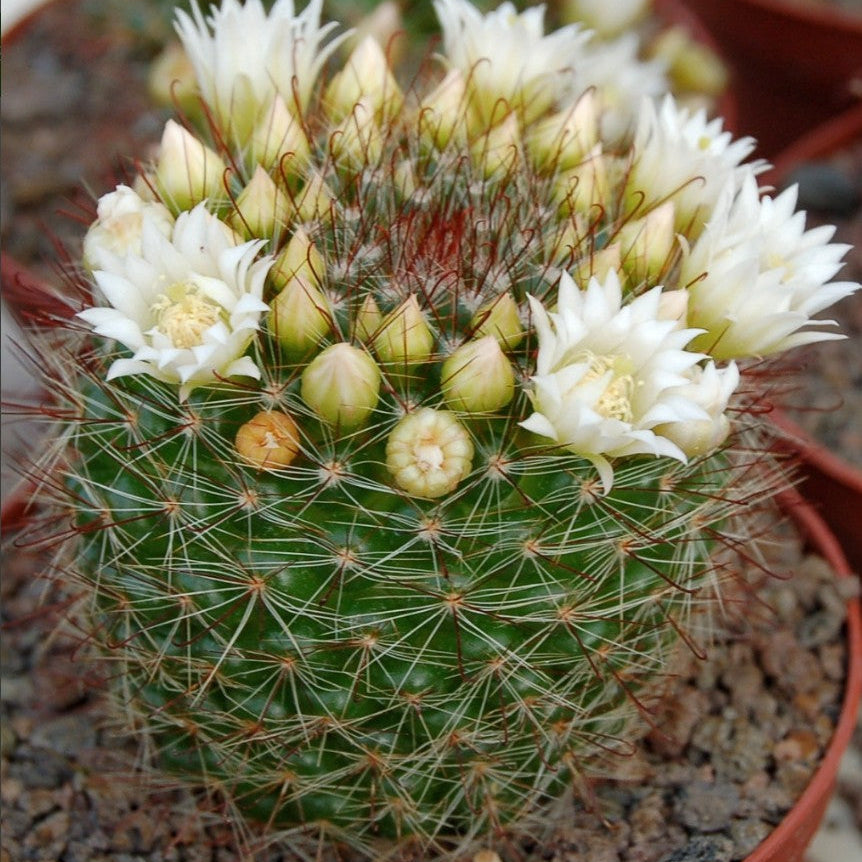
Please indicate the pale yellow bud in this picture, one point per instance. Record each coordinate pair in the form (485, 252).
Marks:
(673, 305)
(405, 179)
(429, 453)
(692, 66)
(562, 140)
(696, 437)
(342, 385)
(357, 142)
(368, 320)
(270, 440)
(301, 316)
(568, 241)
(584, 187)
(608, 18)
(314, 201)
(443, 111)
(279, 138)
(498, 150)
(187, 171)
(499, 318)
(647, 243)
(299, 257)
(262, 209)
(599, 264)
(403, 337)
(172, 82)
(366, 77)
(477, 377)
(386, 25)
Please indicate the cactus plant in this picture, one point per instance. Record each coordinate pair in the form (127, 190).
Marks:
(401, 433)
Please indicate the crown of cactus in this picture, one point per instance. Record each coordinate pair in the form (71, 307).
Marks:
(404, 425)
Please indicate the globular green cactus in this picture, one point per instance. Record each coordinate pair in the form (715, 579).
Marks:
(393, 478)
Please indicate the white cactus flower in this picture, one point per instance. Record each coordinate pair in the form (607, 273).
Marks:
(756, 276)
(710, 389)
(187, 306)
(244, 56)
(607, 374)
(683, 156)
(120, 217)
(507, 60)
(621, 80)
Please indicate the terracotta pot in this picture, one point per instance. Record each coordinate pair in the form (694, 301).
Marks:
(789, 840)
(794, 65)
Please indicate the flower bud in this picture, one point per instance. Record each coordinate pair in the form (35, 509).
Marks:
(299, 257)
(301, 315)
(429, 453)
(342, 385)
(385, 23)
(647, 242)
(356, 142)
(279, 138)
(585, 186)
(442, 112)
(497, 151)
(314, 201)
(270, 440)
(262, 209)
(607, 19)
(477, 377)
(365, 77)
(499, 318)
(368, 320)
(691, 66)
(403, 337)
(598, 265)
(172, 82)
(562, 140)
(673, 305)
(119, 226)
(187, 171)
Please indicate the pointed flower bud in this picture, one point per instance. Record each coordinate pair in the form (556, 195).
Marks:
(647, 243)
(171, 81)
(368, 320)
(585, 186)
(599, 264)
(477, 377)
(357, 142)
(279, 138)
(365, 77)
(403, 337)
(691, 65)
(429, 453)
(314, 202)
(299, 257)
(342, 385)
(262, 209)
(187, 171)
(443, 111)
(301, 315)
(562, 140)
(500, 319)
(498, 150)
(270, 440)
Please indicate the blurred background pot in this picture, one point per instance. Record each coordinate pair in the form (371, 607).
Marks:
(794, 63)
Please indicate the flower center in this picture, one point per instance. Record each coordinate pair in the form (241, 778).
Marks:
(429, 456)
(184, 314)
(616, 401)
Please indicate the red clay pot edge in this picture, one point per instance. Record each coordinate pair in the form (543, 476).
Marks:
(789, 840)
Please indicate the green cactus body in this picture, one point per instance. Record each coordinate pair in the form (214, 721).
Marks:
(332, 648)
